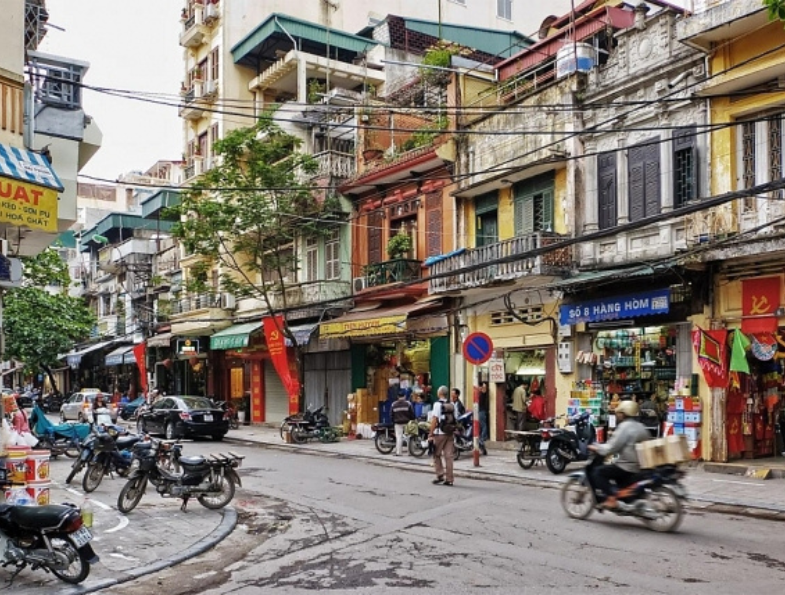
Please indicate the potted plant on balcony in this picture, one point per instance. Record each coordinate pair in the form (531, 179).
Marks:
(399, 246)
(184, 14)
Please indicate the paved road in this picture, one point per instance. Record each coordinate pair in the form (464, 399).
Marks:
(347, 526)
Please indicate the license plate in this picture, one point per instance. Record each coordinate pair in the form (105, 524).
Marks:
(81, 537)
(424, 444)
(208, 418)
(544, 446)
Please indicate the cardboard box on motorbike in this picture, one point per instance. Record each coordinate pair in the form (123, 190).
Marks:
(669, 450)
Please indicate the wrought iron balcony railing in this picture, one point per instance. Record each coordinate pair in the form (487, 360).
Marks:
(400, 270)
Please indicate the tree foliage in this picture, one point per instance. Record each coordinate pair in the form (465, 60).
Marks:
(776, 9)
(249, 213)
(41, 320)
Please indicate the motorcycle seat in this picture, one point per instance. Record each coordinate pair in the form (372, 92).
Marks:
(125, 442)
(37, 517)
(192, 461)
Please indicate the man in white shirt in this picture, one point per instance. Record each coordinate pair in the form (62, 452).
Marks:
(442, 438)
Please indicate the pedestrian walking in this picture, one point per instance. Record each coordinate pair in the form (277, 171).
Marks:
(485, 411)
(443, 426)
(402, 413)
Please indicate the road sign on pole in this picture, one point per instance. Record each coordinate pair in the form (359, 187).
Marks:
(477, 348)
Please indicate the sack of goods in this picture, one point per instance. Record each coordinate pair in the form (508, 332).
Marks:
(670, 450)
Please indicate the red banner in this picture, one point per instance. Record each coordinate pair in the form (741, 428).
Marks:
(712, 350)
(140, 352)
(276, 347)
(760, 298)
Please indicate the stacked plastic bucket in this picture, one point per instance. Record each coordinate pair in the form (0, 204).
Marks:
(29, 469)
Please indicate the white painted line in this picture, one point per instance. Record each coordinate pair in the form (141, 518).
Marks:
(124, 557)
(121, 525)
(741, 483)
(96, 502)
(205, 574)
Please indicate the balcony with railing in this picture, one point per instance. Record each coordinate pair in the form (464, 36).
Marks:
(399, 270)
(335, 164)
(302, 295)
(195, 29)
(480, 267)
(110, 257)
(717, 20)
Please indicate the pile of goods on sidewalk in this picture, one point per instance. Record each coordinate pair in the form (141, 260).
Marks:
(27, 471)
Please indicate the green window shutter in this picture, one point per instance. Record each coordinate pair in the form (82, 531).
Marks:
(547, 211)
(518, 214)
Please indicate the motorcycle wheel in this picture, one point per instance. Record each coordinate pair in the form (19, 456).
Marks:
(285, 427)
(92, 477)
(123, 471)
(669, 510)
(526, 455)
(78, 570)
(577, 499)
(555, 462)
(131, 494)
(383, 442)
(416, 449)
(75, 469)
(219, 500)
(299, 435)
(72, 451)
(234, 424)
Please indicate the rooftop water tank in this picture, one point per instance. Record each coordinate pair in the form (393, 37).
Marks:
(575, 57)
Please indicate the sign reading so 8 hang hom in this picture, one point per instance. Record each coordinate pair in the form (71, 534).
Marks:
(615, 308)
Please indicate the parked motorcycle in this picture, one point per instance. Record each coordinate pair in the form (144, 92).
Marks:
(384, 439)
(61, 439)
(50, 537)
(463, 438)
(656, 496)
(86, 454)
(212, 480)
(313, 426)
(416, 432)
(111, 453)
(569, 445)
(534, 444)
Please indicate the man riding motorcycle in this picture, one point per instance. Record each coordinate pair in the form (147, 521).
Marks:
(629, 431)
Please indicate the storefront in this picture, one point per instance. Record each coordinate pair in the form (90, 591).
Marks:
(160, 362)
(191, 366)
(121, 372)
(327, 375)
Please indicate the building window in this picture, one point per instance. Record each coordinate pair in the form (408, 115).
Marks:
(606, 190)
(332, 256)
(775, 151)
(760, 156)
(213, 138)
(311, 259)
(533, 202)
(504, 9)
(643, 179)
(408, 226)
(685, 167)
(214, 63)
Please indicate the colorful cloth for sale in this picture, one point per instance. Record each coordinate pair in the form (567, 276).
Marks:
(712, 356)
(764, 346)
(738, 356)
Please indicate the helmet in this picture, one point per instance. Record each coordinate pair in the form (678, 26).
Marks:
(628, 408)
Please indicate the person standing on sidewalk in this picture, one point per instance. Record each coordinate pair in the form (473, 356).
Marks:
(443, 425)
(519, 405)
(402, 413)
(485, 411)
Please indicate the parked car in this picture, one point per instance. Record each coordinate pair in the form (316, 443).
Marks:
(180, 416)
(52, 402)
(79, 406)
(128, 410)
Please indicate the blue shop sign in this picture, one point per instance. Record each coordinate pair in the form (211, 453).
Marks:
(616, 308)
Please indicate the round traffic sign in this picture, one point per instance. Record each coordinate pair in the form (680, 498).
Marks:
(477, 348)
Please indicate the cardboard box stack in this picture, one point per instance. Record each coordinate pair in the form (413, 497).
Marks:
(685, 418)
(670, 450)
(367, 408)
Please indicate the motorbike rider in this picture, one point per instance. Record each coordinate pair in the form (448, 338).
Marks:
(629, 431)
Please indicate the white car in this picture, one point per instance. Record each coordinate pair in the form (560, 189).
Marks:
(79, 407)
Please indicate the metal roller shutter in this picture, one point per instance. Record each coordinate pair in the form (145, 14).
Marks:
(331, 371)
(276, 401)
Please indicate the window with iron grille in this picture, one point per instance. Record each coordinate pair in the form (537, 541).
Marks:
(748, 161)
(332, 256)
(759, 154)
(775, 151)
(685, 167)
(530, 314)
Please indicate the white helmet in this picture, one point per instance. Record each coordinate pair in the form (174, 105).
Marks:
(628, 408)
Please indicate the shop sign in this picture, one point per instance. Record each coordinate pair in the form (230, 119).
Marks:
(616, 308)
(760, 299)
(27, 204)
(496, 371)
(384, 325)
(187, 347)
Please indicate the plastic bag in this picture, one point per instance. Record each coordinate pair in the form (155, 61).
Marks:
(27, 439)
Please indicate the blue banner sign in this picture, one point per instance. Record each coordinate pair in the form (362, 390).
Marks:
(616, 308)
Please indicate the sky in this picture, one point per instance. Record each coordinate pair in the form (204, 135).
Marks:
(129, 45)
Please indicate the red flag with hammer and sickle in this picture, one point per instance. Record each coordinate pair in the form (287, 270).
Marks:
(760, 299)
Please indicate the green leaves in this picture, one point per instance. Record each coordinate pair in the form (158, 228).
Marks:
(776, 9)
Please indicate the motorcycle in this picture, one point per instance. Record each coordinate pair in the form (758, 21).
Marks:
(534, 444)
(230, 413)
(52, 538)
(61, 439)
(416, 432)
(104, 453)
(655, 497)
(463, 438)
(569, 445)
(212, 480)
(384, 439)
(313, 426)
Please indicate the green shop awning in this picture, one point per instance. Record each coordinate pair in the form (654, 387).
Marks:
(234, 337)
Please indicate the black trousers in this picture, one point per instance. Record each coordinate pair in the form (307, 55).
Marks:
(604, 475)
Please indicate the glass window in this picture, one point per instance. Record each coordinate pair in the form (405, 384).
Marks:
(332, 256)
(504, 9)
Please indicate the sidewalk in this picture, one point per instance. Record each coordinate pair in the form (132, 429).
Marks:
(721, 493)
(132, 545)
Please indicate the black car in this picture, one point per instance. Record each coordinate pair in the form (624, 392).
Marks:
(181, 416)
(25, 399)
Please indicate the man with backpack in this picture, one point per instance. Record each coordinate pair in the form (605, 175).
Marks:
(443, 426)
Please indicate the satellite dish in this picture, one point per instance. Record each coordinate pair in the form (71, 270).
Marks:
(545, 28)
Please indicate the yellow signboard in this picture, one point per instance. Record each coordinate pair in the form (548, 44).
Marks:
(27, 204)
(386, 325)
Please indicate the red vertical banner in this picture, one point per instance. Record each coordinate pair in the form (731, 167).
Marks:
(760, 298)
(276, 347)
(140, 351)
(257, 394)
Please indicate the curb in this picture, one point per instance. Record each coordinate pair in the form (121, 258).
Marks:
(221, 532)
(717, 505)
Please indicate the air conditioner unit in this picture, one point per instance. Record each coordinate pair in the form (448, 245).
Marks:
(209, 88)
(358, 284)
(228, 302)
(210, 12)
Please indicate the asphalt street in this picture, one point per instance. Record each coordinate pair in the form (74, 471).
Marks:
(334, 523)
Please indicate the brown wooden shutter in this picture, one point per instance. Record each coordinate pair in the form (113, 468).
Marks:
(635, 185)
(433, 212)
(374, 237)
(606, 190)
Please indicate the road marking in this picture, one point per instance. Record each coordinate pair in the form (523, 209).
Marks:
(124, 557)
(96, 502)
(121, 525)
(205, 574)
(741, 483)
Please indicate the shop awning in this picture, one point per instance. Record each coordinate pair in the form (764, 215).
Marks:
(302, 334)
(27, 166)
(75, 357)
(592, 277)
(375, 322)
(116, 357)
(197, 329)
(162, 340)
(234, 337)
